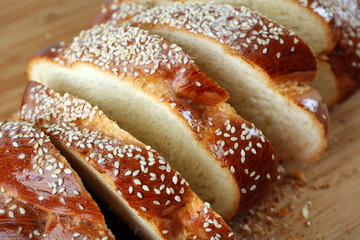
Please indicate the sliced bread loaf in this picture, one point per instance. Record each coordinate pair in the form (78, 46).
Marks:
(331, 28)
(153, 90)
(261, 64)
(130, 177)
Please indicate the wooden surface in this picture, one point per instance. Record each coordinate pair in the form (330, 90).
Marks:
(333, 181)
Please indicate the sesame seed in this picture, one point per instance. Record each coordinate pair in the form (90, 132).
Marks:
(137, 181)
(139, 195)
(175, 179)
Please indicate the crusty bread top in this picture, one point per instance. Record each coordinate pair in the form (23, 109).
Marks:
(138, 173)
(41, 196)
(262, 42)
(134, 53)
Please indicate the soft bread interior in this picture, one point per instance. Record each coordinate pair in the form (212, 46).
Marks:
(103, 190)
(148, 120)
(289, 13)
(291, 130)
(326, 84)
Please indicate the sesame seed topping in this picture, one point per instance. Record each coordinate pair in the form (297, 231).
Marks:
(139, 195)
(131, 189)
(11, 214)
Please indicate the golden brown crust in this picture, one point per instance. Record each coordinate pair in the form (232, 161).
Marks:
(272, 49)
(245, 151)
(40, 195)
(343, 17)
(275, 50)
(137, 173)
(342, 51)
(140, 56)
(198, 118)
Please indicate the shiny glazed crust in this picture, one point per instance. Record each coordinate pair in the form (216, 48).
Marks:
(268, 47)
(41, 196)
(141, 57)
(340, 18)
(232, 143)
(142, 178)
(265, 44)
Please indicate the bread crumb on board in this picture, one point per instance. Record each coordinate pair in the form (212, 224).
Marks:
(286, 207)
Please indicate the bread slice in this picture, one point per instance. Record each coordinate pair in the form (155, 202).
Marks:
(260, 64)
(130, 177)
(134, 78)
(41, 196)
(331, 28)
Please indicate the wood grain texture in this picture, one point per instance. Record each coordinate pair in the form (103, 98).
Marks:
(333, 180)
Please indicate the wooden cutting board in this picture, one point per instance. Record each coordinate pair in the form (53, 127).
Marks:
(331, 195)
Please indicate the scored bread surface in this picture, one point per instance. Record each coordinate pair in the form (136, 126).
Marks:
(41, 197)
(259, 62)
(134, 85)
(159, 203)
